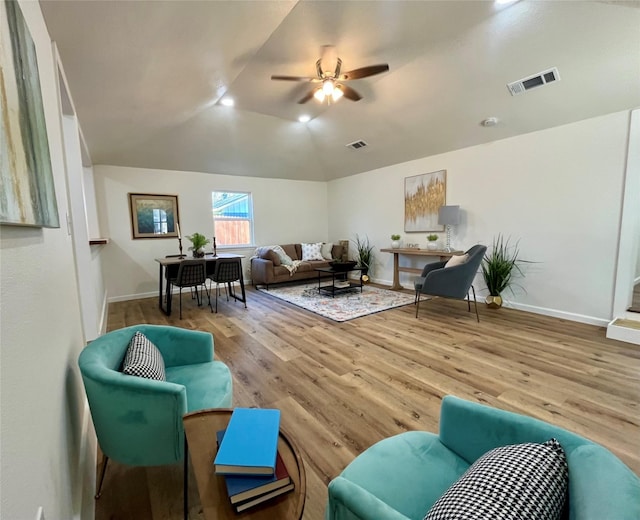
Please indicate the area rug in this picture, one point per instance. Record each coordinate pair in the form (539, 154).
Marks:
(346, 305)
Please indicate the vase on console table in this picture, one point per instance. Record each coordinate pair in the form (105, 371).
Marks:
(395, 244)
(432, 246)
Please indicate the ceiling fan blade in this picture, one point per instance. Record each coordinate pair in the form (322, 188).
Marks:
(293, 78)
(306, 98)
(349, 93)
(365, 72)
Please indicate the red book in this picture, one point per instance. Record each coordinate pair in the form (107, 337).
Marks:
(241, 488)
(263, 498)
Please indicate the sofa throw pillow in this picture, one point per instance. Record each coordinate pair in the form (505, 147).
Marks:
(143, 359)
(457, 260)
(285, 259)
(311, 251)
(521, 481)
(325, 251)
(267, 253)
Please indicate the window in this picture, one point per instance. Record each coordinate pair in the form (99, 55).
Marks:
(159, 221)
(232, 218)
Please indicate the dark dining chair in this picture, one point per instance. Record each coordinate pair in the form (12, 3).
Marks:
(191, 274)
(226, 272)
(451, 282)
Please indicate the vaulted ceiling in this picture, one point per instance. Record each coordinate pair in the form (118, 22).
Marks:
(147, 78)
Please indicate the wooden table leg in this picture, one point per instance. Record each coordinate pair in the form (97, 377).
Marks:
(160, 287)
(396, 274)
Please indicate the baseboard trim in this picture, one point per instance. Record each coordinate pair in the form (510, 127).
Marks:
(616, 330)
(127, 297)
(154, 294)
(580, 318)
(554, 313)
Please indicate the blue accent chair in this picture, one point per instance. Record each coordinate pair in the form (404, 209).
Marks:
(401, 477)
(138, 421)
(451, 282)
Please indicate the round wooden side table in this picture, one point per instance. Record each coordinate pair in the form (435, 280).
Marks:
(200, 430)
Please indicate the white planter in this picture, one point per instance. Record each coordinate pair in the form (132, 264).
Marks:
(432, 246)
(395, 244)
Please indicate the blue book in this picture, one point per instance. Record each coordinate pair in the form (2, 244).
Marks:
(244, 487)
(250, 444)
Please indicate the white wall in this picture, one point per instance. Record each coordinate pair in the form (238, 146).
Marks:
(284, 211)
(628, 260)
(558, 191)
(42, 411)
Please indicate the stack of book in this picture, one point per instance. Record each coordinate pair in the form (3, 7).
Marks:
(248, 458)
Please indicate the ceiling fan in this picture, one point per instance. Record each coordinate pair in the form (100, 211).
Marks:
(328, 69)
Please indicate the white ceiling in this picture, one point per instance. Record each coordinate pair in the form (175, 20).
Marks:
(146, 78)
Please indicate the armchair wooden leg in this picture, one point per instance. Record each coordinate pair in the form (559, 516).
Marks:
(468, 302)
(104, 470)
(418, 305)
(185, 486)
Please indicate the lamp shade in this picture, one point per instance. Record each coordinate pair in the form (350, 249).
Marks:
(449, 215)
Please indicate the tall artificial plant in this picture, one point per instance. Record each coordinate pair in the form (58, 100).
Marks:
(365, 253)
(500, 265)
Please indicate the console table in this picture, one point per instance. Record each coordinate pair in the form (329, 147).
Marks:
(443, 255)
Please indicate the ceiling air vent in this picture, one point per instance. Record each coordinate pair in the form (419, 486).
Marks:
(356, 145)
(537, 80)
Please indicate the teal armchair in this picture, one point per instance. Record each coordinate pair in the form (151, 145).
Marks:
(138, 421)
(401, 477)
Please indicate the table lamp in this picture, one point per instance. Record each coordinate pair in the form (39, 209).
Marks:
(449, 216)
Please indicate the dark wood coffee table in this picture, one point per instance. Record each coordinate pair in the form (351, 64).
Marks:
(339, 276)
(200, 432)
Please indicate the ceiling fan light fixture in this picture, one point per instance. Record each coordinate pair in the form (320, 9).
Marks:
(328, 87)
(337, 93)
(319, 95)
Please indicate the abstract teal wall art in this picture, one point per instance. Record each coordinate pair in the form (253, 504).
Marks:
(27, 191)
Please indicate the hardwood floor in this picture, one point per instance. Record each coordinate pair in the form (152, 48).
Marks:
(343, 386)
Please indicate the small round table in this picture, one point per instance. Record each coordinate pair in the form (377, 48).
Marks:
(200, 432)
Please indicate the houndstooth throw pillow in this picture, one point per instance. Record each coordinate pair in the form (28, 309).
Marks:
(312, 251)
(143, 359)
(517, 482)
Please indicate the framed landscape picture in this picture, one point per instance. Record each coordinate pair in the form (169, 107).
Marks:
(423, 196)
(154, 216)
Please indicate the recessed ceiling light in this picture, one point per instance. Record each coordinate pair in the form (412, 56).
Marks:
(227, 101)
(304, 118)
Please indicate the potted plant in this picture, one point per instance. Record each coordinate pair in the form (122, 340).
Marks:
(499, 267)
(432, 241)
(395, 241)
(198, 242)
(365, 254)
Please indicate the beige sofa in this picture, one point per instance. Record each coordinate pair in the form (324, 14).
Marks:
(266, 268)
